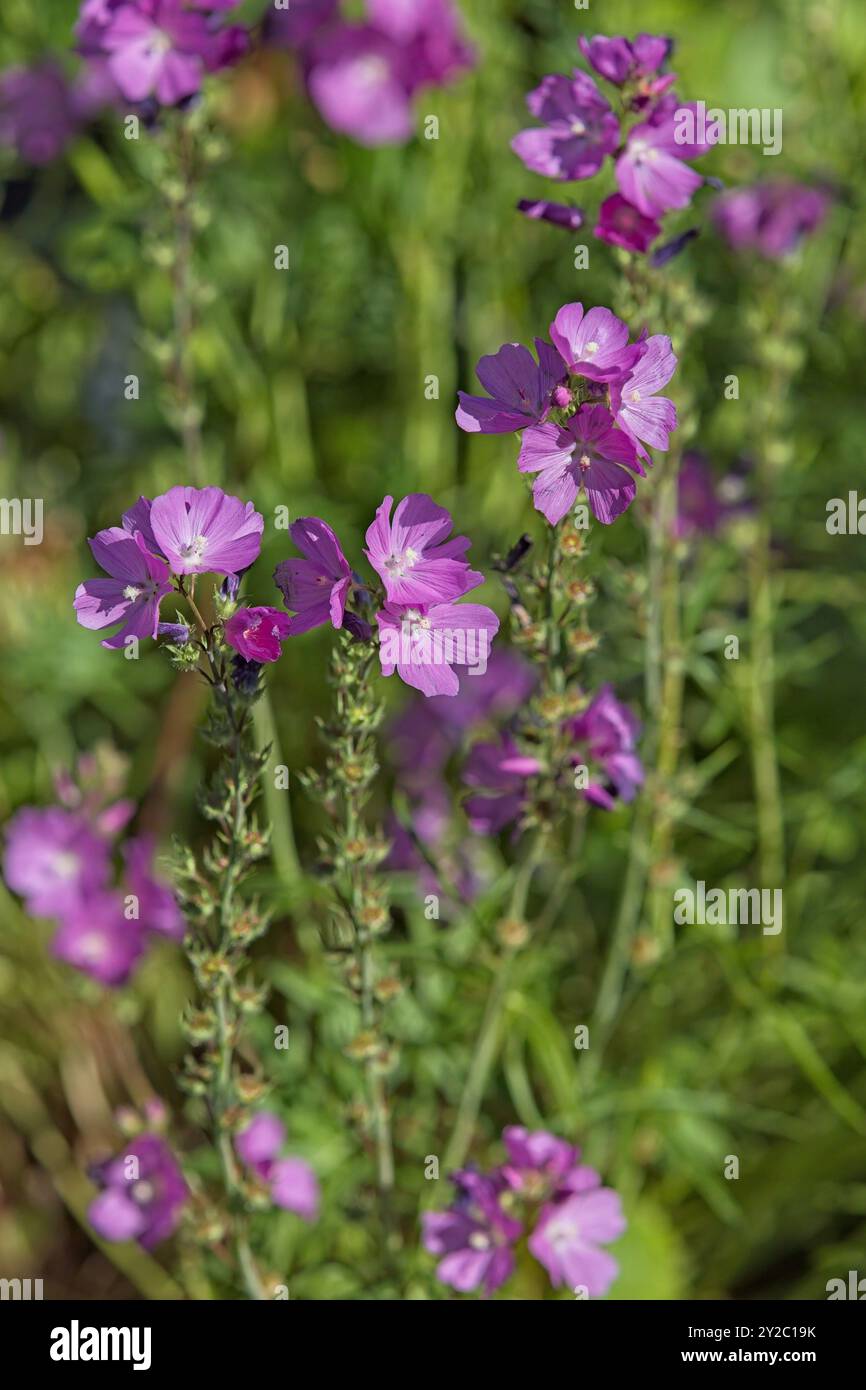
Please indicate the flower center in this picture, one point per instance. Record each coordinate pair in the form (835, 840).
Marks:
(66, 864)
(635, 395)
(131, 593)
(399, 564)
(93, 946)
(578, 128)
(591, 349)
(142, 1192)
(585, 462)
(194, 549)
(479, 1241)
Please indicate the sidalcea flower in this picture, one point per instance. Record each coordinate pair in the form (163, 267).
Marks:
(474, 1237)
(538, 1163)
(317, 587)
(143, 1192)
(559, 214)
(593, 344)
(412, 555)
(96, 937)
(53, 859)
(158, 48)
(705, 503)
(520, 390)
(257, 633)
(205, 530)
(39, 111)
(588, 452)
(770, 218)
(571, 1230)
(500, 771)
(579, 129)
(606, 734)
(424, 642)
(651, 172)
(620, 224)
(622, 60)
(646, 417)
(292, 1182)
(430, 34)
(158, 909)
(131, 596)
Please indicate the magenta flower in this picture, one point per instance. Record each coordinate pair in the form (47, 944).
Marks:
(257, 633)
(53, 859)
(95, 937)
(639, 412)
(474, 1237)
(292, 1182)
(593, 344)
(621, 61)
(131, 596)
(412, 556)
(519, 389)
(538, 1163)
(587, 452)
(608, 733)
(39, 113)
(358, 79)
(558, 214)
(429, 31)
(501, 771)
(158, 47)
(705, 503)
(771, 218)
(579, 128)
(424, 642)
(651, 172)
(204, 530)
(297, 25)
(317, 587)
(158, 909)
(570, 1231)
(620, 224)
(143, 1192)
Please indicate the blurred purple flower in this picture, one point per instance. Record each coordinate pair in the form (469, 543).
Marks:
(53, 859)
(770, 218)
(559, 214)
(587, 452)
(571, 1229)
(537, 1163)
(317, 587)
(95, 937)
(474, 1236)
(292, 1182)
(39, 113)
(705, 503)
(608, 732)
(158, 909)
(620, 224)
(652, 173)
(579, 128)
(620, 60)
(500, 771)
(159, 48)
(519, 389)
(258, 633)
(412, 555)
(143, 1193)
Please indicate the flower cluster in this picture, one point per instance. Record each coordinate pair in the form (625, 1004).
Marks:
(291, 1182)
(542, 1183)
(587, 408)
(423, 632)
(363, 77)
(771, 218)
(579, 129)
(60, 859)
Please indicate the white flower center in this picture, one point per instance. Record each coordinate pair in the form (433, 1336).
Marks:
(416, 620)
(142, 1192)
(479, 1241)
(93, 946)
(397, 565)
(562, 1233)
(578, 128)
(585, 462)
(131, 593)
(66, 864)
(194, 549)
(635, 395)
(591, 349)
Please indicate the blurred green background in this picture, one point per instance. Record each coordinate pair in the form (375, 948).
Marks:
(407, 263)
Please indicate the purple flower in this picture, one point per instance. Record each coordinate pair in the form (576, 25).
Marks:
(579, 128)
(292, 1182)
(609, 732)
(570, 1231)
(158, 47)
(651, 172)
(429, 32)
(638, 411)
(158, 909)
(519, 389)
(39, 113)
(205, 530)
(318, 586)
(412, 556)
(704, 503)
(559, 214)
(53, 859)
(587, 452)
(96, 938)
(424, 642)
(501, 769)
(620, 224)
(139, 581)
(771, 218)
(295, 26)
(595, 344)
(359, 80)
(257, 633)
(622, 61)
(474, 1237)
(143, 1193)
(538, 1163)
